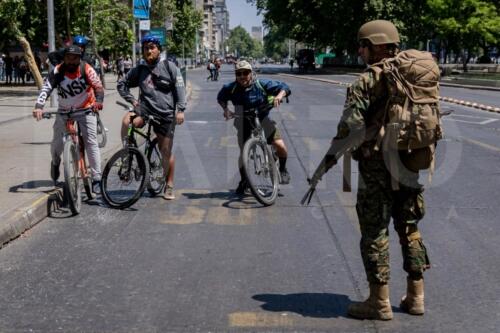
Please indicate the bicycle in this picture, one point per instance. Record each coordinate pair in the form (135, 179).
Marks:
(102, 136)
(260, 163)
(124, 177)
(75, 167)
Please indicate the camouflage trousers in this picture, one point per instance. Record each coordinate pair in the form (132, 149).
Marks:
(377, 202)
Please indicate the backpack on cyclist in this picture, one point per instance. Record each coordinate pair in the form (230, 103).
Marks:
(412, 120)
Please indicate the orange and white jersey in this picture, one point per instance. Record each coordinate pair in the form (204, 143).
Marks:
(76, 91)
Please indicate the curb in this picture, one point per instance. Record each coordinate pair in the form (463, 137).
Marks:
(31, 213)
(475, 105)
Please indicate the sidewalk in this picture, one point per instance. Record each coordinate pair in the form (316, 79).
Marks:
(27, 194)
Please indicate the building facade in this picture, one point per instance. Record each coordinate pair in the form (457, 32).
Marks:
(257, 34)
(214, 30)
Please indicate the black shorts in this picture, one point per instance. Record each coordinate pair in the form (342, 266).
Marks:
(166, 126)
(244, 127)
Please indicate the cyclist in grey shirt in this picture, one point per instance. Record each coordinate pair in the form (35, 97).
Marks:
(162, 95)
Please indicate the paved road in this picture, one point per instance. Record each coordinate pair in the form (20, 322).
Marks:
(207, 262)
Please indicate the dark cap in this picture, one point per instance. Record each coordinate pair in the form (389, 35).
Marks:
(73, 49)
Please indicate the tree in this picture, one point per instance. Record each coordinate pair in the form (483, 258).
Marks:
(274, 44)
(10, 13)
(463, 24)
(187, 20)
(467, 23)
(240, 43)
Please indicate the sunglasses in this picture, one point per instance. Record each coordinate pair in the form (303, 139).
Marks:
(242, 73)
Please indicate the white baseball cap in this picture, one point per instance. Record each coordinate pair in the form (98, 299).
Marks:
(243, 64)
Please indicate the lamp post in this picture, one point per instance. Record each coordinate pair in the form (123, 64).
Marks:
(52, 41)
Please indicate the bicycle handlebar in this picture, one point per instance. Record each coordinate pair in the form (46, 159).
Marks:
(48, 114)
(126, 106)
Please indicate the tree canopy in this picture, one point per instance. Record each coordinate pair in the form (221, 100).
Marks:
(458, 24)
(242, 45)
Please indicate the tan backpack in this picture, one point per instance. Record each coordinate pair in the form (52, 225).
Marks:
(412, 120)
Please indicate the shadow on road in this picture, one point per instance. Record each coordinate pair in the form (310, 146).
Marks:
(232, 200)
(316, 305)
(33, 186)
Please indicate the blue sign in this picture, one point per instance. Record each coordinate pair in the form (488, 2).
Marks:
(141, 9)
(160, 33)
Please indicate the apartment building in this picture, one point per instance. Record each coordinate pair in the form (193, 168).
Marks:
(215, 27)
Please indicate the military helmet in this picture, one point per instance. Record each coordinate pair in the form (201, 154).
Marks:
(379, 32)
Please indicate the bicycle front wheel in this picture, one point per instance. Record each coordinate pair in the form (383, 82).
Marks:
(261, 171)
(102, 136)
(124, 178)
(72, 177)
(157, 177)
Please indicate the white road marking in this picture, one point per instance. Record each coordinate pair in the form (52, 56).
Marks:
(480, 120)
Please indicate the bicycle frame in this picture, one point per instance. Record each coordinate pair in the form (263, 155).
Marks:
(73, 133)
(133, 130)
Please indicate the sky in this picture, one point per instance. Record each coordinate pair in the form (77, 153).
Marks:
(244, 14)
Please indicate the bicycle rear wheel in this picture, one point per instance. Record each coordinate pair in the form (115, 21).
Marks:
(124, 178)
(102, 136)
(261, 171)
(72, 177)
(157, 177)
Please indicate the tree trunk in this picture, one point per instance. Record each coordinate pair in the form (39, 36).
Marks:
(68, 19)
(30, 59)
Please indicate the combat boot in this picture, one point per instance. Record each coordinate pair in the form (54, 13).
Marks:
(413, 301)
(377, 306)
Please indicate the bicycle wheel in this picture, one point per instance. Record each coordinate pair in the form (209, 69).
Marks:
(261, 171)
(124, 178)
(72, 177)
(102, 137)
(157, 177)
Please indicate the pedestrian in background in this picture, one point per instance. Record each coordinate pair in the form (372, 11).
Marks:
(120, 69)
(9, 67)
(2, 67)
(23, 70)
(15, 65)
(127, 65)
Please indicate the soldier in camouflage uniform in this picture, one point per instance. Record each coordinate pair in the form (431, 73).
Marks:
(377, 202)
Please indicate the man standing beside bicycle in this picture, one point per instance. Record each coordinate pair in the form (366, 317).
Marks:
(76, 91)
(162, 95)
(249, 94)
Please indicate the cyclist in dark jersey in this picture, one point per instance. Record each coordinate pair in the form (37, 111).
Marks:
(249, 94)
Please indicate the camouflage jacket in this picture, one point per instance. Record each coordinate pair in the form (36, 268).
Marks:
(363, 113)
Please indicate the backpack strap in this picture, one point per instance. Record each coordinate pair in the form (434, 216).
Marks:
(61, 72)
(83, 72)
(261, 88)
(269, 98)
(173, 78)
(166, 63)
